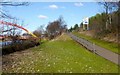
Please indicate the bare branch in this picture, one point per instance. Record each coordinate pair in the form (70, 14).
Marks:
(9, 30)
(4, 15)
(14, 3)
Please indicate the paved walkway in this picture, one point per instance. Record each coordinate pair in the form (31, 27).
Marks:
(107, 54)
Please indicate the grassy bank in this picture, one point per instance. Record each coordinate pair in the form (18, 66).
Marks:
(108, 45)
(61, 55)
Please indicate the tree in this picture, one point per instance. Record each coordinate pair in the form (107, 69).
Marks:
(53, 28)
(109, 8)
(56, 27)
(70, 30)
(97, 24)
(39, 31)
(62, 23)
(11, 31)
(81, 26)
(76, 27)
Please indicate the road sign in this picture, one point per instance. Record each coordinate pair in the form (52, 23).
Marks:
(86, 20)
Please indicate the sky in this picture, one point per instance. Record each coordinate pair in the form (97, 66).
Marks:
(41, 13)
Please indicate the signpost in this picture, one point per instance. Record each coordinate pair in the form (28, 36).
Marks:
(86, 23)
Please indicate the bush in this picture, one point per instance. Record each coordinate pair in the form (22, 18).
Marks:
(102, 34)
(18, 47)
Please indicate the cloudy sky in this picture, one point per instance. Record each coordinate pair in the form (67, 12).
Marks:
(41, 13)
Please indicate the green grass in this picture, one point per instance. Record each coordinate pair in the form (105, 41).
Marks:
(105, 44)
(65, 56)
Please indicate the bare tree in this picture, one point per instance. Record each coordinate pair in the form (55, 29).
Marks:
(39, 31)
(10, 31)
(109, 8)
(56, 27)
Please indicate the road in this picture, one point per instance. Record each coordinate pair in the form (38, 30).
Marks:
(107, 54)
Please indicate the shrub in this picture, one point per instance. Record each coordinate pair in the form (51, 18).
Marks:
(18, 47)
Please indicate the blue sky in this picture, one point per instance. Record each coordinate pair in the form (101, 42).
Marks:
(40, 13)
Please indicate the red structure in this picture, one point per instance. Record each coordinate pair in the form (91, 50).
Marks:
(11, 24)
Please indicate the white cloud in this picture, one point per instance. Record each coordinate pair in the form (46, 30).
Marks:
(78, 4)
(53, 6)
(42, 17)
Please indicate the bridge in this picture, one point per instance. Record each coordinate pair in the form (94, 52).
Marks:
(18, 26)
